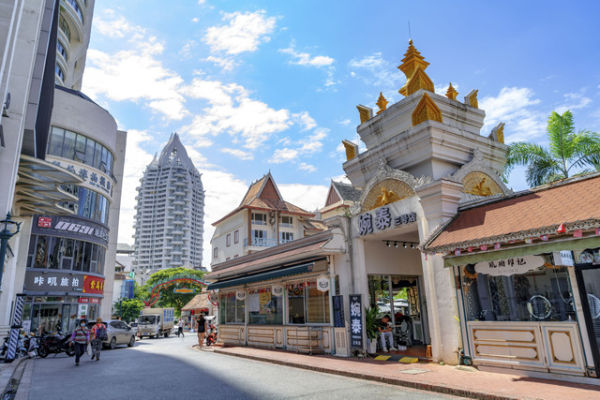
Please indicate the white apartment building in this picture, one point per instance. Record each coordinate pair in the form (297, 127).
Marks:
(169, 213)
(263, 219)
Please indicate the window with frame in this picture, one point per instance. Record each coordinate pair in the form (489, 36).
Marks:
(232, 310)
(236, 237)
(285, 237)
(228, 240)
(287, 221)
(544, 294)
(307, 304)
(215, 252)
(264, 308)
(259, 237)
(259, 219)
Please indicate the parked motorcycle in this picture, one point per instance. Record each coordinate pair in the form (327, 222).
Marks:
(56, 344)
(211, 338)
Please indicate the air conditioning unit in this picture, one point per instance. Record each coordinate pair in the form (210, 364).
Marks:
(272, 218)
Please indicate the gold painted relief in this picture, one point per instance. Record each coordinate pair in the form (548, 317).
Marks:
(480, 184)
(365, 113)
(351, 149)
(426, 110)
(381, 103)
(451, 93)
(386, 192)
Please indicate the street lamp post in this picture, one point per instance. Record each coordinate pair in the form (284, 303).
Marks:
(11, 228)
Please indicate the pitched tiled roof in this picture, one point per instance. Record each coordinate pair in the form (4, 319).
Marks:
(532, 212)
(347, 191)
(263, 194)
(198, 302)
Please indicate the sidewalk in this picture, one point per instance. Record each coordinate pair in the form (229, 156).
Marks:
(467, 382)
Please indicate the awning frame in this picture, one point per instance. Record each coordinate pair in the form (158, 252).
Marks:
(264, 276)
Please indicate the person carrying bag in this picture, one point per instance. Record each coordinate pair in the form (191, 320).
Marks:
(99, 335)
(80, 337)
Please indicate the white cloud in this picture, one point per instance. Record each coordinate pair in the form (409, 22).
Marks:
(284, 155)
(306, 146)
(227, 63)
(186, 49)
(244, 32)
(345, 122)
(241, 154)
(574, 101)
(515, 107)
(201, 2)
(375, 71)
(231, 110)
(307, 167)
(135, 74)
(305, 120)
(116, 26)
(305, 59)
(136, 160)
(309, 197)
(195, 19)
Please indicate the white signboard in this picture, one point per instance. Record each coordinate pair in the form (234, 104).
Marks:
(277, 290)
(564, 258)
(322, 284)
(509, 266)
(82, 310)
(240, 295)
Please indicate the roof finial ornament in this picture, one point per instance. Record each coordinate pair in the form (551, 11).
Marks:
(413, 66)
(381, 103)
(451, 93)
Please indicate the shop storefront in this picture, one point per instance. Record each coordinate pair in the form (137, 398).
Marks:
(528, 297)
(64, 278)
(292, 312)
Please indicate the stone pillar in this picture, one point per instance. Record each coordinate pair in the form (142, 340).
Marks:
(440, 202)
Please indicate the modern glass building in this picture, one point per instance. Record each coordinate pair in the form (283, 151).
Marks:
(169, 213)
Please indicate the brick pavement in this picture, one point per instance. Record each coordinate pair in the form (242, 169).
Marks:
(438, 378)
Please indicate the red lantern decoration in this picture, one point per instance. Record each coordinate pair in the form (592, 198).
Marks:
(561, 229)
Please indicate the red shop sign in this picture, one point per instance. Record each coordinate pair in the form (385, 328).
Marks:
(86, 300)
(93, 284)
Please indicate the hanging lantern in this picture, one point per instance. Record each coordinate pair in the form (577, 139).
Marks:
(483, 247)
(457, 252)
(578, 233)
(470, 249)
(497, 246)
(561, 229)
(544, 238)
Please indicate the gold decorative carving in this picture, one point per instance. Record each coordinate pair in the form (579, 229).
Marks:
(471, 99)
(426, 110)
(498, 133)
(351, 149)
(381, 103)
(365, 113)
(385, 192)
(480, 184)
(451, 93)
(414, 66)
(554, 357)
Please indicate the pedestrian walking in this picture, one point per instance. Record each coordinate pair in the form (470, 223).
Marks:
(180, 325)
(99, 335)
(201, 329)
(80, 337)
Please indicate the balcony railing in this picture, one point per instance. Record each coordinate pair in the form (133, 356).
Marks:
(258, 242)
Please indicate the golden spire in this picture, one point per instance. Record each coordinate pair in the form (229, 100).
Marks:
(451, 93)
(381, 103)
(414, 65)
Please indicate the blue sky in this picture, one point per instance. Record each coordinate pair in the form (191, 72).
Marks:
(253, 86)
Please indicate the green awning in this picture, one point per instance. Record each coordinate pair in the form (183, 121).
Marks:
(264, 276)
(546, 247)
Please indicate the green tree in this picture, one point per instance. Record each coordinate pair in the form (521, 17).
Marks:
(128, 309)
(168, 298)
(567, 153)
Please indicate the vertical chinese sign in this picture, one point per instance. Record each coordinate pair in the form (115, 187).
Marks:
(356, 325)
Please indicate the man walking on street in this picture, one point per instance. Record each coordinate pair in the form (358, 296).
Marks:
(180, 325)
(98, 336)
(81, 337)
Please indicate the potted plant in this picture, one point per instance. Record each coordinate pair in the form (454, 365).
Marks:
(371, 328)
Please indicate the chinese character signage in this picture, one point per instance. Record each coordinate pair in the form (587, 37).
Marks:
(356, 325)
(510, 266)
(49, 281)
(90, 176)
(93, 284)
(382, 220)
(70, 227)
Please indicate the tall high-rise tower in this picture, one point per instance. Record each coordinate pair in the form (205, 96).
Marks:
(170, 212)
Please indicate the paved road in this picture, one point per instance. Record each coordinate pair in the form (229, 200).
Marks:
(171, 369)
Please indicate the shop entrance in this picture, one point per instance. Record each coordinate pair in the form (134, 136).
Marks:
(398, 297)
(588, 277)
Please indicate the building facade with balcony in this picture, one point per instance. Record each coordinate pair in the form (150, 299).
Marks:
(263, 219)
(169, 213)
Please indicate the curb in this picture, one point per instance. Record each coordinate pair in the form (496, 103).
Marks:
(10, 390)
(430, 387)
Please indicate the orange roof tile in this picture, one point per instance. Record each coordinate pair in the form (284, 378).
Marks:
(526, 212)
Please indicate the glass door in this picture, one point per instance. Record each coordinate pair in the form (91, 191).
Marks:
(589, 285)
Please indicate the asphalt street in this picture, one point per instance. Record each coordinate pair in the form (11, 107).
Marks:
(171, 369)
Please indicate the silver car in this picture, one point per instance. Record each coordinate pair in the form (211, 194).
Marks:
(119, 333)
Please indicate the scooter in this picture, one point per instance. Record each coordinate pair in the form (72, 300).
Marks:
(212, 336)
(55, 344)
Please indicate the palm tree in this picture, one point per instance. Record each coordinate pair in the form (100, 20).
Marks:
(568, 152)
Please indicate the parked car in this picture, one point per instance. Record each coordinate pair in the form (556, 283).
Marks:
(118, 332)
(134, 327)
